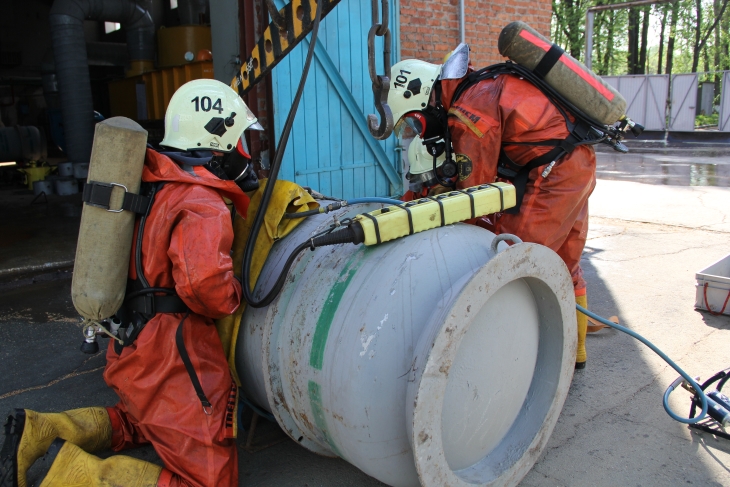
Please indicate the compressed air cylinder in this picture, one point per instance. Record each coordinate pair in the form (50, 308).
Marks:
(105, 237)
(569, 77)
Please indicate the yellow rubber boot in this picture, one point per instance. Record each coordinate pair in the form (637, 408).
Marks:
(581, 355)
(73, 467)
(88, 428)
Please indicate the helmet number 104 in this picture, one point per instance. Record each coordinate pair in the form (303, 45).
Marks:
(206, 104)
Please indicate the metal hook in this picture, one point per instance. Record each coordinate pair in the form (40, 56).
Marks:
(502, 237)
(382, 130)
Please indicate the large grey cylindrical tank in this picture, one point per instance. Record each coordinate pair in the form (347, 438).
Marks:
(428, 360)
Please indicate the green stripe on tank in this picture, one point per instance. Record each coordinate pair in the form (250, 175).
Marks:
(315, 400)
(329, 308)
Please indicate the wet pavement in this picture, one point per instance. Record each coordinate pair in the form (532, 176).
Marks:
(37, 232)
(678, 166)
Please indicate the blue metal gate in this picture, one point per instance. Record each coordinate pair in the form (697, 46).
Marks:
(330, 148)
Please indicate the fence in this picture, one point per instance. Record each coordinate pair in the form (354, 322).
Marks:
(661, 103)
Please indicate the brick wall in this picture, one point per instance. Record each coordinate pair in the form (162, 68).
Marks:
(430, 28)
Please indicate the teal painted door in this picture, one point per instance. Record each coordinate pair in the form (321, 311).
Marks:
(330, 148)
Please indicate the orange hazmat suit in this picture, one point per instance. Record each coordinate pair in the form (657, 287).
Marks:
(186, 246)
(503, 112)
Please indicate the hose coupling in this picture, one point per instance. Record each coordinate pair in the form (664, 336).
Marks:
(351, 234)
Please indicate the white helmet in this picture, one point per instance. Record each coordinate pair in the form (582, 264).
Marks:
(410, 88)
(205, 114)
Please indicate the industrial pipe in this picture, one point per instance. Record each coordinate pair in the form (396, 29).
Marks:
(22, 144)
(71, 60)
(428, 360)
(462, 23)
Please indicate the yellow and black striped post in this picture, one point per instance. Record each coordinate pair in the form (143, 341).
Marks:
(276, 43)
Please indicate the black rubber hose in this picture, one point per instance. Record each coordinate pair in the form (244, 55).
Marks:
(352, 234)
(275, 166)
(303, 214)
(279, 284)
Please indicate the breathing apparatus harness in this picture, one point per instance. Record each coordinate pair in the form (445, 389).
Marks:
(142, 301)
(583, 129)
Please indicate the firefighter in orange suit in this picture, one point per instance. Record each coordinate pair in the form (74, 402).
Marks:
(175, 387)
(498, 127)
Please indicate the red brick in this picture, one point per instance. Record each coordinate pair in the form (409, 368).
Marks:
(430, 28)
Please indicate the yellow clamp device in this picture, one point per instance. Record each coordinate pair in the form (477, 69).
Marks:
(423, 214)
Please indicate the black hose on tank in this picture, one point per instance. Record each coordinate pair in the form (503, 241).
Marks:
(268, 191)
(352, 234)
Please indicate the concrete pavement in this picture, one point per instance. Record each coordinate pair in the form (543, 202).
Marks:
(640, 264)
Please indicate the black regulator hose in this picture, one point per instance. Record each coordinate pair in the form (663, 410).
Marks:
(266, 198)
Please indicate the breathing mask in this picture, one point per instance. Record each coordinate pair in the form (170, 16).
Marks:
(236, 166)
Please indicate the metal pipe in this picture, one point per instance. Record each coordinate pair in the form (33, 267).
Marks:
(427, 360)
(71, 60)
(247, 19)
(462, 23)
(20, 144)
(589, 38)
(616, 6)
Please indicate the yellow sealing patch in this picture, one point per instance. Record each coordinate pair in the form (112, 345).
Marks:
(423, 214)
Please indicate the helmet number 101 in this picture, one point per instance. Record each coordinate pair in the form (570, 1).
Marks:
(400, 80)
(206, 104)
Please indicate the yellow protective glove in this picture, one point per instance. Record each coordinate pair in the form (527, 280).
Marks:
(287, 197)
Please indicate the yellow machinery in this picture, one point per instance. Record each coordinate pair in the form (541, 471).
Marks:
(35, 172)
(182, 57)
(154, 89)
(180, 45)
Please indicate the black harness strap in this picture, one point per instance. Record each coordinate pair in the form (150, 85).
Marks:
(441, 209)
(549, 60)
(471, 201)
(579, 130)
(410, 218)
(375, 223)
(150, 304)
(100, 194)
(180, 342)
